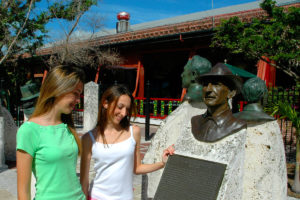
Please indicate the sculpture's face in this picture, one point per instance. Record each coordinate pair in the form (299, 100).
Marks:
(187, 78)
(194, 93)
(215, 93)
(187, 75)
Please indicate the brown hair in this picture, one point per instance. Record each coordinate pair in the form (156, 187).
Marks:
(111, 97)
(60, 80)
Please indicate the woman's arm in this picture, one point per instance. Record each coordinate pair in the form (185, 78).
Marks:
(24, 163)
(140, 168)
(85, 163)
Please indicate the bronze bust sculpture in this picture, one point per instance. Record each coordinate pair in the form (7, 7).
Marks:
(253, 91)
(219, 85)
(264, 165)
(170, 129)
(194, 67)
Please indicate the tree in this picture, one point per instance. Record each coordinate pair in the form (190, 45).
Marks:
(82, 54)
(78, 49)
(22, 25)
(275, 36)
(23, 30)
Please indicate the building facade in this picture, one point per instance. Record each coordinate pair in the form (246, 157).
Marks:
(157, 51)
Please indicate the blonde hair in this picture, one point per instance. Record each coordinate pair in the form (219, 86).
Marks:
(60, 80)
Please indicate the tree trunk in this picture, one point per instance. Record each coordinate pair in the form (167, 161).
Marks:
(296, 185)
(17, 35)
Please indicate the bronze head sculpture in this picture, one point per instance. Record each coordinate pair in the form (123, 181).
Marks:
(253, 91)
(219, 85)
(194, 67)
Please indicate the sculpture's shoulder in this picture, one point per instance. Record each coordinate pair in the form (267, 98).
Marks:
(196, 118)
(196, 122)
(237, 124)
(253, 116)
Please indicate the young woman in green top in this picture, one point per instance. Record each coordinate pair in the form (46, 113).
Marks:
(47, 144)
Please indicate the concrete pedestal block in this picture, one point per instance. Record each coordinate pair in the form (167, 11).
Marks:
(91, 102)
(2, 139)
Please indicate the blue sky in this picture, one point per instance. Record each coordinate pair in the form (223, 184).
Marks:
(150, 10)
(140, 11)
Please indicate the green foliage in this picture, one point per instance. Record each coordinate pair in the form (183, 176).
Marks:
(275, 36)
(286, 111)
(69, 9)
(284, 102)
(13, 15)
(32, 34)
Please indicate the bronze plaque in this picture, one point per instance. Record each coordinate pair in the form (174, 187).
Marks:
(186, 178)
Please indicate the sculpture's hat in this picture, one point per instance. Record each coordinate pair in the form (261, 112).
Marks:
(221, 71)
(29, 91)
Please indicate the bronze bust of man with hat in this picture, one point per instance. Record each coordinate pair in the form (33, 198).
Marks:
(219, 85)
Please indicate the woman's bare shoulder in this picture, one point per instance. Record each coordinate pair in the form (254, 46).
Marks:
(136, 132)
(87, 137)
(136, 128)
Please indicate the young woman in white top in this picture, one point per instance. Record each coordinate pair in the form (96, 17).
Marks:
(115, 146)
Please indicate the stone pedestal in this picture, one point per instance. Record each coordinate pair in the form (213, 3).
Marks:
(229, 151)
(91, 102)
(2, 139)
(166, 135)
(10, 134)
(265, 166)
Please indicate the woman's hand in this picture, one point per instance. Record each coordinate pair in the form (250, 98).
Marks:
(169, 151)
(140, 168)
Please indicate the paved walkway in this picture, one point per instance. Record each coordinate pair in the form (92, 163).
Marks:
(8, 184)
(8, 177)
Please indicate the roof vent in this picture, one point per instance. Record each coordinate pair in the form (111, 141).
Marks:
(123, 23)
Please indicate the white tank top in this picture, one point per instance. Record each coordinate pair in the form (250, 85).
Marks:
(114, 169)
